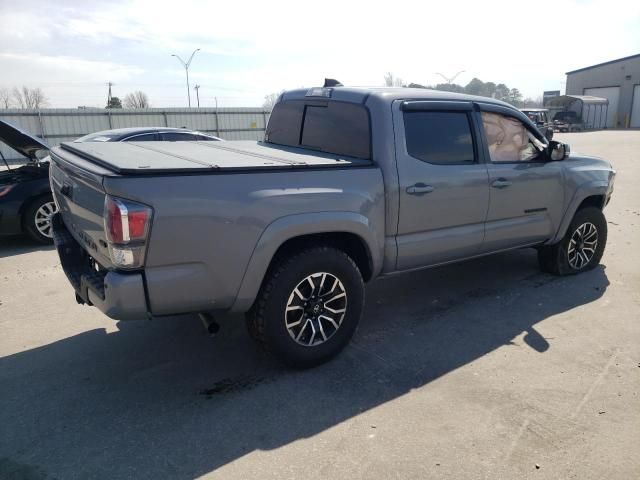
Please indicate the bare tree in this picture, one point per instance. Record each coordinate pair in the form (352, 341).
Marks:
(5, 98)
(137, 99)
(270, 100)
(392, 81)
(29, 97)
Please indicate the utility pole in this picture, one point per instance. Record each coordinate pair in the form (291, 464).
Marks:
(196, 88)
(109, 94)
(186, 69)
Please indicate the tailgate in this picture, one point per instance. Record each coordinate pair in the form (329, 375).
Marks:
(78, 191)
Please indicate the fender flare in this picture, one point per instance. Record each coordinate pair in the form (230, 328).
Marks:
(292, 226)
(595, 187)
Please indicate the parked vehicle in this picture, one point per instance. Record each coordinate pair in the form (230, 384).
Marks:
(26, 203)
(568, 121)
(540, 117)
(349, 184)
(148, 134)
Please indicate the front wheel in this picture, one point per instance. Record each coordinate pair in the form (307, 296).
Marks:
(309, 307)
(37, 219)
(581, 248)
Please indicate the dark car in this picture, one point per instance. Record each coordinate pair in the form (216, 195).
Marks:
(26, 204)
(540, 116)
(149, 134)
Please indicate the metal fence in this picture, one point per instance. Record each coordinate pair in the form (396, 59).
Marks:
(56, 125)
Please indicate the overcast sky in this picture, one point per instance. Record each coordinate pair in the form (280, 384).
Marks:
(71, 49)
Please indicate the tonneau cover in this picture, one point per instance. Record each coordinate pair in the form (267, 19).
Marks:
(142, 158)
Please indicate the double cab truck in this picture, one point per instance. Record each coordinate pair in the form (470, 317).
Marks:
(349, 184)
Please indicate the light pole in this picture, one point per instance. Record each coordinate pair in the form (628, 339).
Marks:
(196, 88)
(186, 69)
(449, 80)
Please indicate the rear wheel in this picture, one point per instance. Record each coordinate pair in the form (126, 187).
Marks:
(582, 246)
(309, 307)
(37, 219)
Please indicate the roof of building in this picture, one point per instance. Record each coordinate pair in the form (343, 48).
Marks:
(604, 63)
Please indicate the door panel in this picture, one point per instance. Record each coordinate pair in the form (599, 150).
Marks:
(528, 209)
(442, 206)
(526, 192)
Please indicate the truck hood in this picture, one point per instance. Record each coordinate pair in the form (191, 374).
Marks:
(21, 141)
(588, 161)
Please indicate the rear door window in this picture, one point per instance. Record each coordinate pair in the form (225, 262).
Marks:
(439, 137)
(334, 127)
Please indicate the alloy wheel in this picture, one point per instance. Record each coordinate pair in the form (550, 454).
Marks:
(315, 309)
(42, 218)
(582, 246)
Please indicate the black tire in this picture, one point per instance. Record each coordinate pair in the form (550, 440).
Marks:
(266, 320)
(555, 259)
(29, 219)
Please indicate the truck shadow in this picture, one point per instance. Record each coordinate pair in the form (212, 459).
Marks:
(19, 245)
(160, 399)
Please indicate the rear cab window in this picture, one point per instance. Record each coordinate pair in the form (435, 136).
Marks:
(335, 127)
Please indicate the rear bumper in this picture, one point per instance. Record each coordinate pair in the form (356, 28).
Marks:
(120, 296)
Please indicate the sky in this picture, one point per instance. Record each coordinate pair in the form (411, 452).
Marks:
(248, 48)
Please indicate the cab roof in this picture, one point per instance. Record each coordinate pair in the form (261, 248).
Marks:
(387, 94)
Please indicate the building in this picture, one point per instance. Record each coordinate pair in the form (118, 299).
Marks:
(616, 80)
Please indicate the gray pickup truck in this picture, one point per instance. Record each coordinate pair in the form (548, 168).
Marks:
(348, 185)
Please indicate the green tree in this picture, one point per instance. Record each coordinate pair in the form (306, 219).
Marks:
(515, 97)
(502, 92)
(449, 87)
(114, 102)
(475, 87)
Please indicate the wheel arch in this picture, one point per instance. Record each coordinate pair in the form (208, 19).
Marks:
(593, 194)
(347, 231)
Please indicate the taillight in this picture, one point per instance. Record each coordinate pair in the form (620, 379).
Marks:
(126, 225)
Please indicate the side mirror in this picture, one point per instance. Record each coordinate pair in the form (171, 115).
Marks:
(558, 151)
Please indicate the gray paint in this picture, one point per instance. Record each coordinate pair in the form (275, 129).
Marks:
(214, 234)
(610, 74)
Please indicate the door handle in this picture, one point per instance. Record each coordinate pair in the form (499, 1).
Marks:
(501, 183)
(419, 189)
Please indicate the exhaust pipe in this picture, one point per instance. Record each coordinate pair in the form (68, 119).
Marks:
(211, 326)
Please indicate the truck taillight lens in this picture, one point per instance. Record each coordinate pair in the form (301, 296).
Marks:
(126, 225)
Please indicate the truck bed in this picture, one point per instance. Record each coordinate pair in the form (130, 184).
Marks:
(143, 158)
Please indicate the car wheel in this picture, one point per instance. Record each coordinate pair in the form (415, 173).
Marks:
(581, 248)
(37, 219)
(309, 307)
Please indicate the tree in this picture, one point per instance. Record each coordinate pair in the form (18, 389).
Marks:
(449, 87)
(270, 100)
(532, 102)
(502, 92)
(137, 99)
(29, 97)
(5, 98)
(114, 102)
(392, 81)
(515, 97)
(475, 87)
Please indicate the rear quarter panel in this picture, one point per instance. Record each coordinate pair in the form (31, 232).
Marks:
(206, 227)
